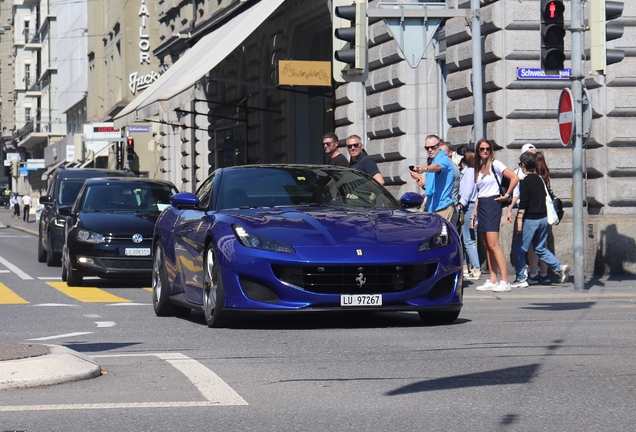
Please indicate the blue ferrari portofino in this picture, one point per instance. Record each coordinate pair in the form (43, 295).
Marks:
(282, 238)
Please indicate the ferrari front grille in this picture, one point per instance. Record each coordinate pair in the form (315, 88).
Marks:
(367, 279)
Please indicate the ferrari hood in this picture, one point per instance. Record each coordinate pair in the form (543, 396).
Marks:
(319, 226)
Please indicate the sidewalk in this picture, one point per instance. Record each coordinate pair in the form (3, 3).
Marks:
(31, 365)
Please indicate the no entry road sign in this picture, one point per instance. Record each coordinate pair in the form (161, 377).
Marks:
(566, 117)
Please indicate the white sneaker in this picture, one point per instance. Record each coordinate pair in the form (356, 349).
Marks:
(564, 273)
(502, 286)
(519, 283)
(487, 286)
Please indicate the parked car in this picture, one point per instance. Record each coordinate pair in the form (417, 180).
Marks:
(109, 228)
(63, 188)
(294, 238)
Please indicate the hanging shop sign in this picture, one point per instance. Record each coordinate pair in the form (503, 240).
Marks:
(304, 73)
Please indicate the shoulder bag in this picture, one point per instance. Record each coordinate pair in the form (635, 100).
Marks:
(502, 190)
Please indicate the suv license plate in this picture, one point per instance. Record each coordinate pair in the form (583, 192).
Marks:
(137, 252)
(348, 300)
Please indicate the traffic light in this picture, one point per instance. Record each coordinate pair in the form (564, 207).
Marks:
(130, 149)
(349, 22)
(600, 13)
(552, 36)
(15, 168)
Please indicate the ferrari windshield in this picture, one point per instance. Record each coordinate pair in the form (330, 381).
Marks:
(249, 187)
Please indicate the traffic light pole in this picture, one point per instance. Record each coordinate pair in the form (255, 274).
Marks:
(576, 29)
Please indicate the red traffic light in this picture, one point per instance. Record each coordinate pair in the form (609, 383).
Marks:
(130, 143)
(554, 10)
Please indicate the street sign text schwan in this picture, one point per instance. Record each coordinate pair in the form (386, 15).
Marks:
(538, 74)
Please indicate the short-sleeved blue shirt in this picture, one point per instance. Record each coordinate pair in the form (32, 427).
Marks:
(439, 185)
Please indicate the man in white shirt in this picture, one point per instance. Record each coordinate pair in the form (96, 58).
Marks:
(26, 207)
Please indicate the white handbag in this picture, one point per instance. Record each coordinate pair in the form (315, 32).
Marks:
(553, 218)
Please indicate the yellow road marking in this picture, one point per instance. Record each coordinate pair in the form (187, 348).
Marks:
(9, 297)
(88, 294)
(148, 289)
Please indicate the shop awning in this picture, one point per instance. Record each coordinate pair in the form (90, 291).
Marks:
(175, 87)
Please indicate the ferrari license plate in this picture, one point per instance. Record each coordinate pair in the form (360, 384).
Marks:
(347, 300)
(137, 252)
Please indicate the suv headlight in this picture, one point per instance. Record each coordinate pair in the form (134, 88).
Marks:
(58, 221)
(86, 236)
(439, 240)
(258, 242)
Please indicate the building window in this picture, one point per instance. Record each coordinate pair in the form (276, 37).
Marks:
(27, 75)
(27, 115)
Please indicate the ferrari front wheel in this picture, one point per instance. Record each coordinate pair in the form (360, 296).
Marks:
(161, 288)
(212, 290)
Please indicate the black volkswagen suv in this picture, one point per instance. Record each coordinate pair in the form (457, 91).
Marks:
(63, 190)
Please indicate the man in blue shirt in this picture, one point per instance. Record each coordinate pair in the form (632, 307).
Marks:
(440, 176)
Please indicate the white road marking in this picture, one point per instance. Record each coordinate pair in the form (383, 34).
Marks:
(15, 270)
(107, 406)
(209, 384)
(56, 304)
(61, 336)
(105, 323)
(91, 316)
(5, 271)
(128, 304)
(213, 388)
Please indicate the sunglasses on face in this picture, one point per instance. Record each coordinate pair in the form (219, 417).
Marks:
(327, 143)
(486, 149)
(350, 146)
(428, 148)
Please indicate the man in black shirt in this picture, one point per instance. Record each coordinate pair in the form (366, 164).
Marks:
(361, 161)
(532, 224)
(330, 144)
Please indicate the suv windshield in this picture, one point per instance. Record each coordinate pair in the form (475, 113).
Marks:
(126, 197)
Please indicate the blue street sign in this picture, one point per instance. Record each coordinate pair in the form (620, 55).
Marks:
(538, 74)
(138, 128)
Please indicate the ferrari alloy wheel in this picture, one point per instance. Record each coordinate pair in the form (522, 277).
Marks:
(212, 290)
(161, 288)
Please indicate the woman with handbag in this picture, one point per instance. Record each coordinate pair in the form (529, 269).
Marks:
(532, 223)
(486, 215)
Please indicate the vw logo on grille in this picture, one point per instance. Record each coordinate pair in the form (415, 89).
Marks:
(137, 238)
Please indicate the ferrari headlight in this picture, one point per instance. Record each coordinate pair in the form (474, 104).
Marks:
(258, 242)
(439, 240)
(86, 236)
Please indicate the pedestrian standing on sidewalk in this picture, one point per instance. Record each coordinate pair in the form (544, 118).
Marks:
(440, 177)
(15, 203)
(467, 198)
(486, 216)
(532, 223)
(330, 145)
(360, 161)
(26, 207)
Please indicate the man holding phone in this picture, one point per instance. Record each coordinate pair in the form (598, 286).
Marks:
(440, 177)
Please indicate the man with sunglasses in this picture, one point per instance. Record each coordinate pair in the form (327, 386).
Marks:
(330, 144)
(361, 161)
(440, 177)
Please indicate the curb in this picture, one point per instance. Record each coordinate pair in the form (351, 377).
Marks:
(571, 296)
(60, 366)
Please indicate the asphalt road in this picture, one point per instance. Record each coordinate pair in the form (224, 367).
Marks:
(517, 365)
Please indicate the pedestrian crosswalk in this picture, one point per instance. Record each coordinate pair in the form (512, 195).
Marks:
(85, 294)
